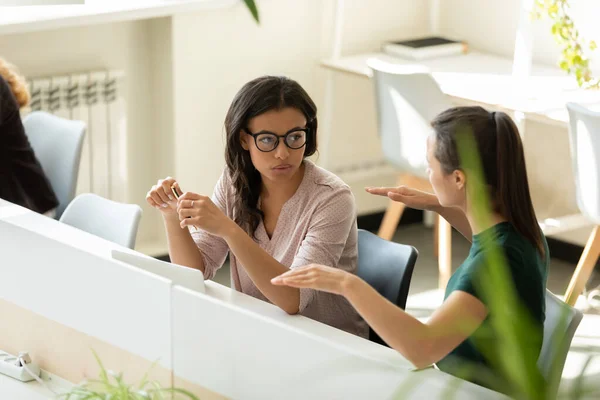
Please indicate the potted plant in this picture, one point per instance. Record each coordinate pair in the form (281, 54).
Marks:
(111, 385)
(574, 48)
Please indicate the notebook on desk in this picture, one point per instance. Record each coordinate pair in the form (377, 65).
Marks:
(425, 47)
(189, 278)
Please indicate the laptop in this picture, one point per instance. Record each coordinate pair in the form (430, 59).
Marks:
(189, 278)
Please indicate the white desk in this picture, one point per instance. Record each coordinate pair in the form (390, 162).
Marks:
(487, 80)
(256, 349)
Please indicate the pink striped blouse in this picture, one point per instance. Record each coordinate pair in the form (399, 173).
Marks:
(316, 225)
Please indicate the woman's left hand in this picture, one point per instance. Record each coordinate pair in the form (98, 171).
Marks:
(199, 211)
(314, 276)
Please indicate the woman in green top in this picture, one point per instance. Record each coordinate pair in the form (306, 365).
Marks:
(448, 336)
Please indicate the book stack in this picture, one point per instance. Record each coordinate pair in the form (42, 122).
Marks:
(426, 47)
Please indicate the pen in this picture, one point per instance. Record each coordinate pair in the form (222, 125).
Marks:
(174, 191)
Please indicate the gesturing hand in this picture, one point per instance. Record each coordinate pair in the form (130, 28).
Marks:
(199, 211)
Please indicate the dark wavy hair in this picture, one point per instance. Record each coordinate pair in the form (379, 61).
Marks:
(255, 98)
(502, 159)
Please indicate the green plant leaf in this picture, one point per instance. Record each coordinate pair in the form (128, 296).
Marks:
(518, 360)
(103, 374)
(106, 388)
(564, 65)
(403, 390)
(144, 380)
(253, 10)
(567, 36)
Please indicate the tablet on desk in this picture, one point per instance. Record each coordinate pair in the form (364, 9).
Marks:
(183, 276)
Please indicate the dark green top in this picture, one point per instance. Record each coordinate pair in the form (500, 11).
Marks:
(528, 271)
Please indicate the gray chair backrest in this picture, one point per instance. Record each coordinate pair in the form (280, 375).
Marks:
(584, 134)
(57, 143)
(110, 220)
(560, 325)
(387, 267)
(406, 103)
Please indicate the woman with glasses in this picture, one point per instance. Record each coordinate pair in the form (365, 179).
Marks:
(273, 209)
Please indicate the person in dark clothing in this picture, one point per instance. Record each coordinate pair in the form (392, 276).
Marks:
(22, 179)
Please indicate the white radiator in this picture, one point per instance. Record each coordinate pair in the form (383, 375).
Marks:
(97, 99)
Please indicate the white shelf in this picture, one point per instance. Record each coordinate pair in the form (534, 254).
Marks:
(39, 18)
(486, 79)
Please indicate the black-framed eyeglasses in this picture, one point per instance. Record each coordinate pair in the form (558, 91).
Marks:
(267, 141)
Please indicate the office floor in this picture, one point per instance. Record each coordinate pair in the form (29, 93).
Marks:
(424, 297)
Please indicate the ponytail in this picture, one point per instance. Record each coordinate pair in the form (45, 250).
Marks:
(503, 161)
(512, 191)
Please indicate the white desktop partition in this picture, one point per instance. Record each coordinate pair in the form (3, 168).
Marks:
(61, 293)
(242, 354)
(99, 297)
(222, 343)
(62, 296)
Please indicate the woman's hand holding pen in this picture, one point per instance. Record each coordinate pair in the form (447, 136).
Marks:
(199, 211)
(162, 197)
(190, 208)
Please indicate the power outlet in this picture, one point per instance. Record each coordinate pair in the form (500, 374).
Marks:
(13, 366)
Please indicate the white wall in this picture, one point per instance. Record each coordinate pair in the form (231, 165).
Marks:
(490, 25)
(485, 24)
(163, 108)
(214, 54)
(123, 46)
(291, 40)
(369, 23)
(183, 72)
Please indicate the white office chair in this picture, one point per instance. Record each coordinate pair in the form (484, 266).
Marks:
(110, 220)
(407, 100)
(57, 143)
(560, 325)
(584, 134)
